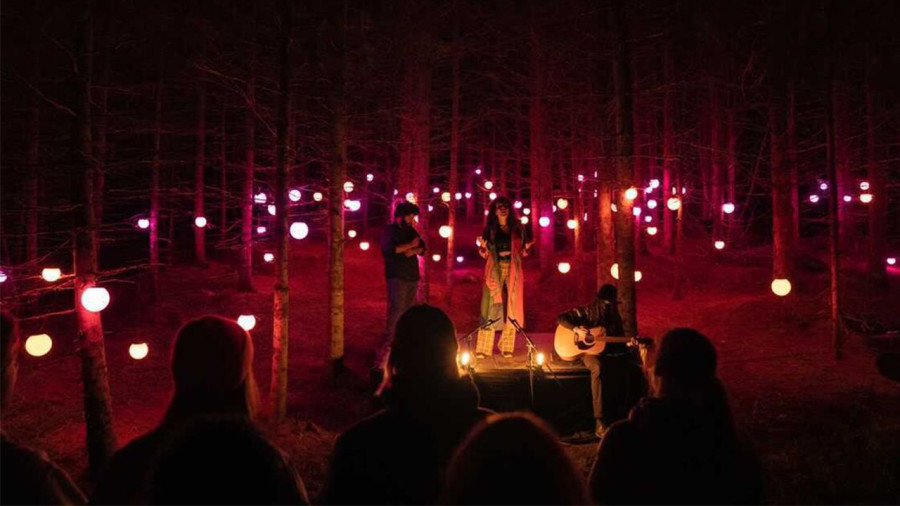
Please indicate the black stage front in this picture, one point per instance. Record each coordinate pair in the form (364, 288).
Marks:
(562, 390)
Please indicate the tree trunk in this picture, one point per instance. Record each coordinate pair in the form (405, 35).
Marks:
(223, 182)
(281, 290)
(33, 163)
(624, 168)
(200, 165)
(792, 161)
(101, 146)
(840, 103)
(834, 192)
(101, 439)
(541, 206)
(715, 158)
(878, 207)
(454, 172)
(245, 268)
(668, 153)
(335, 202)
(154, 189)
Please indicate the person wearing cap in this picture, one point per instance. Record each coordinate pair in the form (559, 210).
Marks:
(401, 246)
(679, 446)
(212, 368)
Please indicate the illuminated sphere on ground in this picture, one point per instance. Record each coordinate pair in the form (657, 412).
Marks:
(446, 197)
(38, 345)
(246, 321)
(488, 185)
(562, 203)
(781, 287)
(652, 230)
(728, 208)
(200, 222)
(524, 220)
(294, 195)
(95, 299)
(674, 203)
(631, 193)
(51, 274)
(143, 223)
(348, 186)
(544, 222)
(571, 224)
(268, 257)
(299, 230)
(364, 245)
(436, 257)
(351, 233)
(317, 196)
(719, 244)
(138, 351)
(865, 198)
(445, 231)
(564, 267)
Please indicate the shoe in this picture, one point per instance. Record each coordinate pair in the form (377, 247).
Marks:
(506, 354)
(599, 429)
(480, 356)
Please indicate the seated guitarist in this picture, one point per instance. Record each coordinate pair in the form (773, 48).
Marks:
(601, 312)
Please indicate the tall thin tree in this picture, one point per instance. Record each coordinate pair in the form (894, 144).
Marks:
(338, 102)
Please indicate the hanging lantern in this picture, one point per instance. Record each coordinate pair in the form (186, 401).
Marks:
(614, 208)
(544, 222)
(865, 198)
(614, 271)
(638, 276)
(271, 209)
(370, 177)
(348, 186)
(823, 186)
(654, 183)
(299, 230)
(562, 203)
(564, 267)
(138, 351)
(652, 230)
(891, 260)
(364, 245)
(864, 185)
(465, 358)
(430, 208)
(353, 205)
(51, 274)
(478, 171)
(260, 198)
(814, 198)
(38, 345)
(651, 204)
(719, 244)
(261, 229)
(492, 196)
(143, 223)
(458, 196)
(571, 224)
(468, 195)
(446, 197)
(517, 204)
(781, 287)
(268, 257)
(526, 211)
(351, 233)
(445, 231)
(95, 299)
(728, 208)
(648, 219)
(488, 185)
(459, 259)
(294, 195)
(674, 203)
(436, 257)
(540, 358)
(580, 178)
(200, 222)
(636, 211)
(848, 198)
(524, 220)
(3, 276)
(317, 196)
(631, 193)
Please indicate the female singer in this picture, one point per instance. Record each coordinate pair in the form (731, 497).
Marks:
(504, 243)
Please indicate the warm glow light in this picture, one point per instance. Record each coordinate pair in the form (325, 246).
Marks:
(631, 193)
(3, 277)
(636, 211)
(562, 203)
(435, 190)
(814, 198)
(317, 196)
(411, 197)
(564, 267)
(38, 345)
(848, 198)
(436, 257)
(348, 186)
(261, 229)
(654, 183)
(544, 222)
(268, 257)
(430, 208)
(477, 172)
(299, 230)
(865, 198)
(364, 245)
(674, 203)
(651, 204)
(864, 185)
(260, 198)
(488, 185)
(95, 299)
(370, 177)
(781, 287)
(524, 220)
(540, 358)
(652, 230)
(614, 270)
(352, 205)
(445, 231)
(614, 208)
(271, 209)
(719, 244)
(526, 211)
(200, 222)
(51, 274)
(580, 178)
(143, 223)
(891, 260)
(138, 351)
(458, 196)
(294, 195)
(492, 195)
(572, 223)
(638, 276)
(459, 259)
(465, 358)
(468, 195)
(351, 233)
(648, 218)
(517, 204)
(823, 186)
(446, 197)
(246, 321)
(728, 208)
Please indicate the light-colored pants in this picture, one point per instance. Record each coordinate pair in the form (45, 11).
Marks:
(507, 342)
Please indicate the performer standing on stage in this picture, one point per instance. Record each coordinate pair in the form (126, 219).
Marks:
(601, 312)
(401, 245)
(504, 243)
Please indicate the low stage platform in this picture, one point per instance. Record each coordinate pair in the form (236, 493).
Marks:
(561, 390)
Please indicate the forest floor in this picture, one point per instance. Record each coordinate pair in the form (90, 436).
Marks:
(827, 430)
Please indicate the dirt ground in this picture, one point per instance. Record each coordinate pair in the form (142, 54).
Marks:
(827, 430)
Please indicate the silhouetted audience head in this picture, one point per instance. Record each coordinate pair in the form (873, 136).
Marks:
(212, 366)
(608, 293)
(223, 460)
(512, 459)
(9, 332)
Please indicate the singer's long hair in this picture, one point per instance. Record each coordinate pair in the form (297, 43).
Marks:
(493, 224)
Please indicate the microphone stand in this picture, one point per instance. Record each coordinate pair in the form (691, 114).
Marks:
(529, 358)
(468, 337)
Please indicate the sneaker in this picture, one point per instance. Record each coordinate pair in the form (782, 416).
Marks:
(506, 354)
(480, 356)
(599, 429)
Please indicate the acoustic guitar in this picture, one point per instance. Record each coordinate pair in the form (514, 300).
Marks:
(570, 345)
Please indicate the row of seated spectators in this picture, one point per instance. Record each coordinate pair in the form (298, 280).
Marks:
(432, 443)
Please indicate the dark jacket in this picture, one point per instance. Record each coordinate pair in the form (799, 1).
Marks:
(398, 265)
(29, 477)
(667, 452)
(399, 455)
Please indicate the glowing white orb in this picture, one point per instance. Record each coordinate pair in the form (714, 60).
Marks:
(3, 277)
(652, 230)
(446, 197)
(614, 208)
(648, 219)
(317, 196)
(571, 224)
(683, 190)
(138, 351)
(435, 190)
(51, 274)
(294, 195)
(299, 230)
(492, 195)
(468, 195)
(524, 220)
(459, 259)
(636, 211)
(271, 209)
(488, 185)
(351, 233)
(553, 207)
(864, 185)
(430, 208)
(353, 205)
(580, 178)
(728, 208)
(458, 196)
(614, 270)
(260, 198)
(517, 204)
(477, 172)
(544, 222)
(95, 299)
(526, 211)
(719, 244)
(200, 222)
(654, 183)
(651, 204)
(465, 358)
(246, 321)
(370, 177)
(436, 257)
(891, 260)
(445, 231)
(38, 345)
(823, 186)
(631, 193)
(143, 223)
(261, 229)
(269, 257)
(638, 276)
(814, 198)
(348, 186)
(540, 358)
(848, 198)
(865, 198)
(364, 245)
(562, 203)
(564, 267)
(781, 287)
(674, 203)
